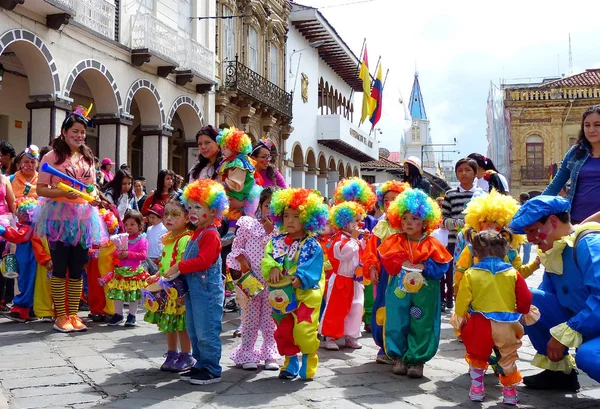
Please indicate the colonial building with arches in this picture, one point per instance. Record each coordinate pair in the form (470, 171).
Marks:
(327, 144)
(545, 120)
(148, 68)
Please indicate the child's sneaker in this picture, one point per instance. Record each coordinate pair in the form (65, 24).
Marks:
(77, 324)
(185, 361)
(63, 324)
(131, 321)
(384, 359)
(511, 396)
(187, 375)
(352, 343)
(250, 366)
(271, 365)
(15, 316)
(415, 371)
(331, 345)
(204, 377)
(477, 393)
(170, 361)
(115, 320)
(399, 368)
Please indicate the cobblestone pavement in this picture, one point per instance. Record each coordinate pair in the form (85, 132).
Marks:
(118, 368)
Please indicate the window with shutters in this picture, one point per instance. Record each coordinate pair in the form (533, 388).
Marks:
(228, 39)
(274, 62)
(253, 49)
(184, 14)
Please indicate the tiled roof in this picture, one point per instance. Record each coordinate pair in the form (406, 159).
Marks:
(382, 163)
(589, 77)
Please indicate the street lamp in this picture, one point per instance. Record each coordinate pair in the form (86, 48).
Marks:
(437, 144)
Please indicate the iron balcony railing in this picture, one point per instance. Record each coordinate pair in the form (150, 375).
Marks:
(553, 94)
(534, 173)
(240, 78)
(148, 32)
(195, 57)
(98, 15)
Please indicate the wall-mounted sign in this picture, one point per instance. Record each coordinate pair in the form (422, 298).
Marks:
(19, 124)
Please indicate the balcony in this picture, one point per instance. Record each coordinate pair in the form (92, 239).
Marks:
(242, 79)
(42, 7)
(97, 15)
(534, 174)
(339, 134)
(153, 42)
(197, 58)
(552, 94)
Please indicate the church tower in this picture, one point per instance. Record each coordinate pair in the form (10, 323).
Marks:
(418, 135)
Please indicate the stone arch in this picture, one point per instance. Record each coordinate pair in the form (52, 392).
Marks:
(189, 113)
(37, 59)
(147, 90)
(102, 84)
(254, 134)
(297, 155)
(348, 170)
(341, 170)
(356, 172)
(332, 165)
(322, 163)
(311, 159)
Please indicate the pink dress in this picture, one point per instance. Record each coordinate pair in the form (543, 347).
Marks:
(251, 240)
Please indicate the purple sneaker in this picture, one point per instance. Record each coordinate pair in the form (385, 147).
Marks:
(170, 362)
(184, 362)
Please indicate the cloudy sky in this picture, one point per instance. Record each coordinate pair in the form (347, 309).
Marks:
(458, 48)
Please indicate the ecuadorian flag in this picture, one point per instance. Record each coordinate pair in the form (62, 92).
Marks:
(376, 95)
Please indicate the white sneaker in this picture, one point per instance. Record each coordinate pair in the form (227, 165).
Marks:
(271, 366)
(331, 345)
(250, 366)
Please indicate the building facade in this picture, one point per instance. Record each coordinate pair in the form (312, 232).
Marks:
(545, 120)
(147, 66)
(251, 55)
(326, 145)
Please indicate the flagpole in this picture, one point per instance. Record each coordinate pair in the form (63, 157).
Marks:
(376, 66)
(385, 79)
(362, 50)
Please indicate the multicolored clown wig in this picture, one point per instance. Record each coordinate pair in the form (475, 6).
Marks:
(493, 207)
(355, 190)
(417, 203)
(389, 186)
(209, 194)
(25, 206)
(313, 212)
(344, 213)
(111, 221)
(235, 140)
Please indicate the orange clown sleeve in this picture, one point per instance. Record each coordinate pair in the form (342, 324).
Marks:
(393, 253)
(41, 255)
(369, 257)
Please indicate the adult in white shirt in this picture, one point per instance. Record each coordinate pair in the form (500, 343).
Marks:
(488, 177)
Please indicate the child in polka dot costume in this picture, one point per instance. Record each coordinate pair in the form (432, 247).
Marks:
(247, 252)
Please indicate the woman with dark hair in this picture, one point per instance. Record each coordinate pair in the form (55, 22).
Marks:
(413, 175)
(120, 193)
(488, 177)
(164, 190)
(209, 155)
(581, 165)
(69, 222)
(261, 153)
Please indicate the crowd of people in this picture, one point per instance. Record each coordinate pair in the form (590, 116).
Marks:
(305, 268)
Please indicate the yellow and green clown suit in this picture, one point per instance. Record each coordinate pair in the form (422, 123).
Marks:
(297, 327)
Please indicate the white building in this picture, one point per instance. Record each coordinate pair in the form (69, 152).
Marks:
(326, 144)
(146, 65)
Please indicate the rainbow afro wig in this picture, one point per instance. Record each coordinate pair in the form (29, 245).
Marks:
(344, 213)
(417, 203)
(235, 140)
(313, 212)
(209, 194)
(111, 221)
(390, 186)
(492, 208)
(26, 206)
(355, 190)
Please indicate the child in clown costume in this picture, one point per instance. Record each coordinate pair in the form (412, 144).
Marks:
(372, 268)
(492, 298)
(43, 306)
(344, 297)
(415, 262)
(293, 269)
(238, 175)
(27, 264)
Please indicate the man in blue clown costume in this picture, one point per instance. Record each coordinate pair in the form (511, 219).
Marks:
(568, 297)
(22, 236)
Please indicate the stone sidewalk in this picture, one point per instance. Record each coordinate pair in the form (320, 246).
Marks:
(110, 367)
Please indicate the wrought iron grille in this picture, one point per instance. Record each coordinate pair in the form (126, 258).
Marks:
(196, 57)
(148, 32)
(534, 173)
(99, 15)
(242, 79)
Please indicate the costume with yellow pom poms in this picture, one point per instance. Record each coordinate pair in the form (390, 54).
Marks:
(494, 211)
(344, 298)
(297, 310)
(411, 316)
(238, 174)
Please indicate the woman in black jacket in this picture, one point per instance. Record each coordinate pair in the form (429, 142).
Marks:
(413, 175)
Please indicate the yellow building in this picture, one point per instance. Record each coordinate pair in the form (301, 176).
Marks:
(545, 120)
